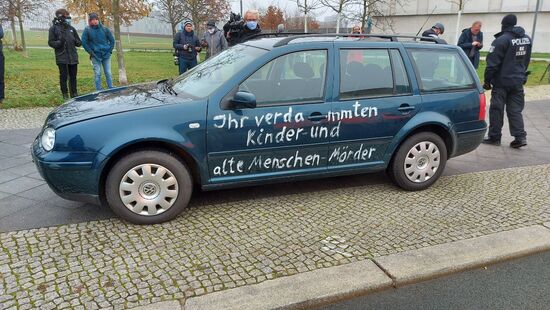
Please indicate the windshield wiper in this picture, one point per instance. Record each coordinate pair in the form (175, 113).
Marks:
(167, 86)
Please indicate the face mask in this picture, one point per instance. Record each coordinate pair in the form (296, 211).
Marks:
(252, 25)
(211, 31)
(68, 21)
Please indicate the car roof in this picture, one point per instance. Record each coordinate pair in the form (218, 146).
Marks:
(270, 41)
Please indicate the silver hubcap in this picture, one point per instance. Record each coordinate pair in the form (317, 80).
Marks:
(148, 189)
(422, 162)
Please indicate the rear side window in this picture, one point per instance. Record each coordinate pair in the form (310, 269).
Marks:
(372, 73)
(439, 70)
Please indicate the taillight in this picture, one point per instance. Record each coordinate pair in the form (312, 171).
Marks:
(482, 106)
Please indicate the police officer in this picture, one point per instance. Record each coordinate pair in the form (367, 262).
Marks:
(506, 73)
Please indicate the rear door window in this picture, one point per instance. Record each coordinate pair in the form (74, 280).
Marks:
(440, 70)
(368, 73)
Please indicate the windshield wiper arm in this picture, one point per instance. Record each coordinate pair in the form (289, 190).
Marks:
(167, 86)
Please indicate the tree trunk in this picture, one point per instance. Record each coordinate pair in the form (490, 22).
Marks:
(338, 16)
(13, 32)
(364, 15)
(457, 34)
(174, 25)
(23, 43)
(122, 78)
(305, 23)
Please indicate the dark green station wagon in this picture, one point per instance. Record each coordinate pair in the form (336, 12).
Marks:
(270, 110)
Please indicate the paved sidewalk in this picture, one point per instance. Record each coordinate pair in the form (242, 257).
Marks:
(225, 244)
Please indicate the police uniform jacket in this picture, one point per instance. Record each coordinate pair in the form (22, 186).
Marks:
(508, 58)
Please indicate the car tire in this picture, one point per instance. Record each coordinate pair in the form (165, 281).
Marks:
(148, 187)
(419, 162)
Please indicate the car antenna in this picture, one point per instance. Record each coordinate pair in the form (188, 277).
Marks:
(424, 24)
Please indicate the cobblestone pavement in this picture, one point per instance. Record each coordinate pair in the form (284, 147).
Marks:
(218, 244)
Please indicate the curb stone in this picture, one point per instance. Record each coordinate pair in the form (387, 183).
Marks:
(301, 290)
(164, 305)
(439, 260)
(336, 283)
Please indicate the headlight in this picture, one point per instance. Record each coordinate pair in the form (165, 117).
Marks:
(48, 139)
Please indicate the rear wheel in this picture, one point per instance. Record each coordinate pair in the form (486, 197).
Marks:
(419, 161)
(148, 187)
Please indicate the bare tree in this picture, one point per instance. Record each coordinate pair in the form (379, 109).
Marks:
(25, 9)
(338, 6)
(307, 7)
(122, 78)
(460, 4)
(7, 12)
(172, 12)
(202, 10)
(380, 12)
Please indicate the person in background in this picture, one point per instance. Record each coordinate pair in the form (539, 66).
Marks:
(280, 28)
(63, 38)
(213, 39)
(471, 41)
(99, 42)
(356, 30)
(187, 46)
(250, 28)
(434, 32)
(506, 73)
(1, 65)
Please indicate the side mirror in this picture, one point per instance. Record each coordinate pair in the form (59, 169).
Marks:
(244, 100)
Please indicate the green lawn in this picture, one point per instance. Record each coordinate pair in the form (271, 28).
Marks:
(533, 55)
(34, 81)
(536, 67)
(40, 38)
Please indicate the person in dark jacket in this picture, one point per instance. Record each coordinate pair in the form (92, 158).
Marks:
(64, 39)
(434, 32)
(1, 65)
(506, 73)
(471, 41)
(187, 46)
(99, 42)
(213, 40)
(249, 28)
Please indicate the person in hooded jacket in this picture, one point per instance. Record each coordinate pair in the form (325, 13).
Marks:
(506, 73)
(1, 65)
(64, 39)
(99, 42)
(250, 28)
(187, 46)
(213, 39)
(471, 41)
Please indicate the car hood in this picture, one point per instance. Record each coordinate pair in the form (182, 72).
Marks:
(111, 101)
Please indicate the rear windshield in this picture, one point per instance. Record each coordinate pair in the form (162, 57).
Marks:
(205, 78)
(440, 70)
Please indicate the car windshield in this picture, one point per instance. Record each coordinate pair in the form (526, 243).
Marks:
(205, 78)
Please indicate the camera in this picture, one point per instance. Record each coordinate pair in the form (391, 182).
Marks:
(233, 26)
(188, 48)
(176, 59)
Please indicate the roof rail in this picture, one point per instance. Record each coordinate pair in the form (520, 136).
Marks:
(393, 38)
(278, 34)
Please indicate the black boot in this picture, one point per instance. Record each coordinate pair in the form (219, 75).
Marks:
(74, 95)
(65, 96)
(491, 141)
(518, 142)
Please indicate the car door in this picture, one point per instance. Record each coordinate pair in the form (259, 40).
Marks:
(286, 133)
(374, 100)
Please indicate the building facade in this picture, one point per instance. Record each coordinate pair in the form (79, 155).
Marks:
(408, 18)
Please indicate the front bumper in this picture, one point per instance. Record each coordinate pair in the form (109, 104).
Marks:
(71, 175)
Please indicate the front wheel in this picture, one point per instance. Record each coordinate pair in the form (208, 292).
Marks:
(419, 162)
(148, 187)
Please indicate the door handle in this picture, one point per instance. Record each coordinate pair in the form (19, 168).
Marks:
(405, 107)
(316, 117)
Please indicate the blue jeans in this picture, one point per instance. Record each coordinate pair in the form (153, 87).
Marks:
(186, 64)
(106, 64)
